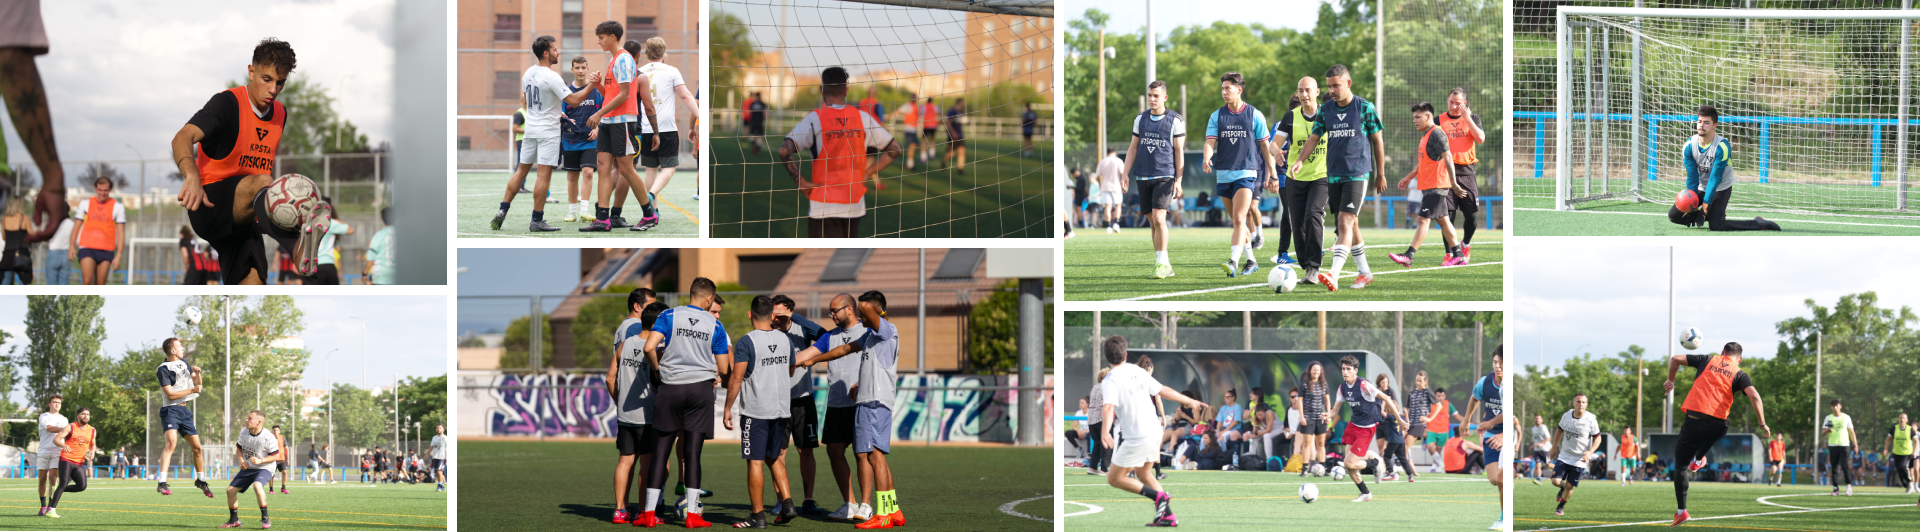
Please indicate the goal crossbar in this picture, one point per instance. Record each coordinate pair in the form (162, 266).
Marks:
(1565, 116)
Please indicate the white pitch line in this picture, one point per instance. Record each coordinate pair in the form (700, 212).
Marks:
(1336, 281)
(1091, 509)
(1772, 219)
(1763, 500)
(1327, 483)
(93, 488)
(1008, 508)
(1668, 522)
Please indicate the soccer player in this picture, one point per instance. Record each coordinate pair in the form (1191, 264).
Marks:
(804, 424)
(103, 232)
(1485, 404)
(1463, 132)
(180, 383)
(956, 117)
(1305, 194)
(1316, 402)
(1440, 426)
(761, 380)
(76, 450)
(910, 127)
(1130, 393)
(1705, 156)
(1542, 444)
(625, 97)
(929, 124)
(1244, 130)
(224, 186)
(1112, 182)
(1578, 435)
(1420, 412)
(437, 450)
(578, 156)
(1433, 175)
(329, 272)
(685, 352)
(280, 466)
(1366, 401)
(256, 450)
(1395, 447)
(1630, 456)
(837, 136)
(1028, 120)
(756, 121)
(1776, 455)
(879, 352)
(1350, 127)
(631, 386)
(1899, 446)
(1838, 429)
(47, 461)
(843, 374)
(1156, 159)
(1706, 406)
(543, 92)
(667, 86)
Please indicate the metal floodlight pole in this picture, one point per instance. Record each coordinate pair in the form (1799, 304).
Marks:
(396, 411)
(1819, 358)
(1032, 360)
(1100, 108)
(920, 348)
(226, 388)
(1150, 43)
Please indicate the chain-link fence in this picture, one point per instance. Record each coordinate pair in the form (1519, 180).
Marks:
(1431, 48)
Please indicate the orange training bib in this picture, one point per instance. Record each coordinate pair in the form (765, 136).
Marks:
(840, 156)
(254, 146)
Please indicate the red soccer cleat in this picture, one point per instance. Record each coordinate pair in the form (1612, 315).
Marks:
(878, 521)
(620, 517)
(648, 520)
(1326, 279)
(1697, 464)
(231, 524)
(694, 521)
(899, 518)
(1680, 518)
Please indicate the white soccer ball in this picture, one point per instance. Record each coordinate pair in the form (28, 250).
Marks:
(1317, 470)
(290, 199)
(1339, 473)
(1690, 338)
(193, 316)
(1309, 493)
(1282, 279)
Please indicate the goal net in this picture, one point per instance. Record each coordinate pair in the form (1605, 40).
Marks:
(1811, 102)
(906, 55)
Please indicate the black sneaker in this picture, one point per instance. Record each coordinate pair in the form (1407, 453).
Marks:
(787, 513)
(596, 226)
(757, 520)
(1258, 240)
(540, 226)
(202, 484)
(810, 508)
(617, 222)
(164, 489)
(499, 217)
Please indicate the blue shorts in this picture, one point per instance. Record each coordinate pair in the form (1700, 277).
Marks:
(178, 417)
(871, 424)
(439, 465)
(99, 256)
(248, 477)
(1567, 471)
(1226, 190)
(762, 439)
(1488, 455)
(912, 138)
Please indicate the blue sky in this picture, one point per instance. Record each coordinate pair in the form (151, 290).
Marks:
(515, 272)
(405, 335)
(1598, 299)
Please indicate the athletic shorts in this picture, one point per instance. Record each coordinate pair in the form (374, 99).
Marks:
(1435, 203)
(1157, 193)
(666, 156)
(1349, 196)
(762, 439)
(616, 139)
(803, 422)
(872, 428)
(280, 465)
(1110, 198)
(1489, 456)
(99, 256)
(21, 27)
(1313, 426)
(1463, 174)
(684, 407)
(912, 137)
(241, 249)
(1628, 463)
(1436, 438)
(1226, 190)
(178, 417)
(248, 477)
(1026, 132)
(45, 461)
(1417, 434)
(928, 133)
(1567, 471)
(1135, 453)
(543, 152)
(1539, 456)
(632, 439)
(839, 425)
(1358, 437)
(574, 160)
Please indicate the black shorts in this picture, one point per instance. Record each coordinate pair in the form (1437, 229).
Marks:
(839, 425)
(762, 439)
(248, 477)
(927, 133)
(957, 142)
(684, 407)
(178, 417)
(1435, 204)
(574, 160)
(803, 422)
(328, 275)
(1697, 434)
(633, 439)
(616, 139)
(1567, 471)
(1348, 197)
(1463, 174)
(241, 249)
(666, 156)
(834, 227)
(1157, 194)
(1313, 426)
(1540, 457)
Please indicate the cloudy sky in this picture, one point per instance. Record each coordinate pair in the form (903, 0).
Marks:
(860, 37)
(1597, 299)
(131, 73)
(1131, 16)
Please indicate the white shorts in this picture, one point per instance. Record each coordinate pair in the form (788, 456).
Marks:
(47, 460)
(1110, 198)
(1136, 453)
(821, 209)
(543, 152)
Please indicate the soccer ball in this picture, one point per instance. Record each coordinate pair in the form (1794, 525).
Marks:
(1339, 473)
(290, 199)
(1318, 470)
(1282, 279)
(193, 316)
(1687, 201)
(1309, 493)
(1690, 338)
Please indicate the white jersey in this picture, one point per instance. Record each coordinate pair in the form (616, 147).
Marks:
(438, 449)
(59, 422)
(1131, 392)
(1578, 437)
(177, 376)
(544, 91)
(661, 79)
(255, 446)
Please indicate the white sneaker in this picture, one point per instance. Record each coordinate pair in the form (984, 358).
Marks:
(1849, 490)
(864, 513)
(1498, 525)
(1364, 497)
(845, 508)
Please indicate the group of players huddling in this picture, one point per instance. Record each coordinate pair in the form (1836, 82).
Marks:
(669, 361)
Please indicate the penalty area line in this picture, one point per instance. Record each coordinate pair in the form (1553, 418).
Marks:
(1770, 219)
(1256, 285)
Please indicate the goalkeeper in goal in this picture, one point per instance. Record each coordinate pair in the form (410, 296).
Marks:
(1705, 156)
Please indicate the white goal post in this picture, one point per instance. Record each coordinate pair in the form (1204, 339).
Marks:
(1832, 156)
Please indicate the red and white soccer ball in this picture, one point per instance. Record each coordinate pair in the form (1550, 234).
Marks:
(290, 199)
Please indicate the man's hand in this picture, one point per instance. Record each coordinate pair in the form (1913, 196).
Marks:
(1496, 443)
(1106, 438)
(727, 417)
(693, 140)
(594, 122)
(1294, 169)
(593, 133)
(49, 208)
(593, 78)
(191, 196)
(1668, 385)
(656, 143)
(1206, 165)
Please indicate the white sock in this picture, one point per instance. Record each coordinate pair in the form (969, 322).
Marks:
(653, 499)
(693, 500)
(163, 475)
(573, 209)
(1339, 260)
(1360, 258)
(198, 475)
(1234, 252)
(1160, 257)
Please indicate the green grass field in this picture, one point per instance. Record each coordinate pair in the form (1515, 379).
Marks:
(1002, 194)
(1258, 500)
(1600, 504)
(479, 195)
(1103, 267)
(133, 505)
(560, 485)
(1537, 217)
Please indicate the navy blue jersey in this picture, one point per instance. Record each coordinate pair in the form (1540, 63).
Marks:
(1391, 431)
(1158, 136)
(1487, 391)
(573, 127)
(1345, 130)
(1364, 399)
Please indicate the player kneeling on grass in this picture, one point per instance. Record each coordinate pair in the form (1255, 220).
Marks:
(1578, 434)
(1366, 400)
(1433, 174)
(763, 364)
(256, 450)
(1130, 394)
(1235, 165)
(1706, 407)
(1705, 156)
(76, 449)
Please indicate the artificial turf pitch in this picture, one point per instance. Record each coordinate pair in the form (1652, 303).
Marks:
(568, 485)
(1537, 217)
(1101, 267)
(134, 505)
(1602, 505)
(1259, 500)
(480, 192)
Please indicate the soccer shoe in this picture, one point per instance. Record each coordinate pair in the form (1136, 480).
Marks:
(1162, 270)
(283, 490)
(1498, 525)
(1258, 240)
(1399, 259)
(1249, 267)
(1680, 517)
(843, 513)
(53, 512)
(164, 489)
(1326, 279)
(1364, 497)
(620, 517)
(785, 515)
(231, 524)
(1092, 471)
(811, 508)
(1284, 260)
(694, 520)
(202, 484)
(1849, 490)
(1466, 250)
(648, 520)
(899, 518)
(617, 222)
(757, 520)
(1536, 482)
(571, 217)
(878, 521)
(864, 513)
(646, 223)
(540, 226)
(43, 512)
(1362, 281)
(266, 523)
(1164, 520)
(596, 226)
(1766, 224)
(306, 249)
(1230, 269)
(499, 217)
(1456, 260)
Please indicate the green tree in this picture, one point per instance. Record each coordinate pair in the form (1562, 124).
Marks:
(517, 343)
(732, 50)
(993, 332)
(359, 419)
(1866, 357)
(424, 399)
(63, 344)
(593, 327)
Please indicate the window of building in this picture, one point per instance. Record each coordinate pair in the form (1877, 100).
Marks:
(641, 28)
(506, 28)
(844, 265)
(465, 143)
(571, 28)
(959, 264)
(764, 272)
(506, 85)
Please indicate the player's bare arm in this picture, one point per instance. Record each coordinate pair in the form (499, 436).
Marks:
(1379, 162)
(693, 104)
(1206, 155)
(642, 87)
(1133, 147)
(733, 393)
(191, 195)
(787, 149)
(613, 375)
(613, 102)
(887, 155)
(1760, 413)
